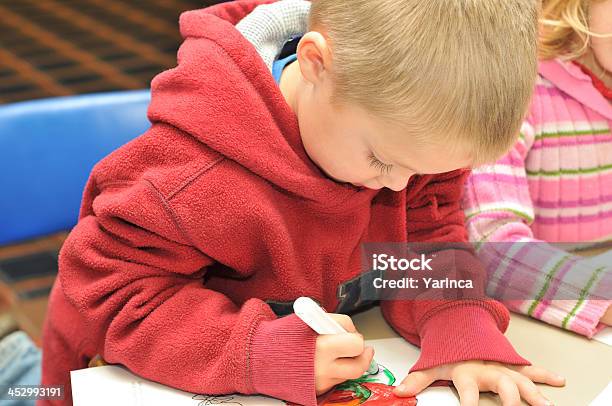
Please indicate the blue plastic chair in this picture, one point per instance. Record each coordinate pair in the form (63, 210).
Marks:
(47, 150)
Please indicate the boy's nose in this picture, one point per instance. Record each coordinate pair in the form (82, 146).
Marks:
(396, 183)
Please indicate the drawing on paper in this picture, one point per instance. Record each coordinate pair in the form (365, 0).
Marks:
(372, 390)
(209, 400)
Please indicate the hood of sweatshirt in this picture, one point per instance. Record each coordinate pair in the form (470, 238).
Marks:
(223, 94)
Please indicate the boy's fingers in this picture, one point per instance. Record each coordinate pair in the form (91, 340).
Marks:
(331, 382)
(414, 383)
(468, 391)
(352, 368)
(508, 391)
(540, 375)
(488, 380)
(529, 391)
(341, 345)
(345, 321)
(495, 380)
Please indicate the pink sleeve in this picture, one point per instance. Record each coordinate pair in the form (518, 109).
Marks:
(498, 208)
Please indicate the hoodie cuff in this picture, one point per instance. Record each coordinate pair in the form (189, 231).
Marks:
(462, 333)
(282, 360)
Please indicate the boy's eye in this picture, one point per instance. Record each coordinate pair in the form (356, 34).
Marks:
(381, 166)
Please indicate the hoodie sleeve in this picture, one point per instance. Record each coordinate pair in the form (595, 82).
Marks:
(449, 331)
(138, 281)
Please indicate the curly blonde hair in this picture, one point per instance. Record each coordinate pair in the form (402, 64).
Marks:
(564, 31)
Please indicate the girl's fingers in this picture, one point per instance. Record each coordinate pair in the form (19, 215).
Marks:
(468, 391)
(415, 382)
(540, 375)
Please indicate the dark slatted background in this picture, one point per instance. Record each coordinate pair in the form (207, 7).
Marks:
(62, 47)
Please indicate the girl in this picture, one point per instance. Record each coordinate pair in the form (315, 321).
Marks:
(555, 185)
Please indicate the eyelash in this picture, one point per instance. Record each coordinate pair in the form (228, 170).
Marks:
(381, 166)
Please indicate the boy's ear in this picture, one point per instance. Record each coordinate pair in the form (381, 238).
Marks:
(314, 56)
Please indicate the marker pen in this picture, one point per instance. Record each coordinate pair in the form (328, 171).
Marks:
(320, 321)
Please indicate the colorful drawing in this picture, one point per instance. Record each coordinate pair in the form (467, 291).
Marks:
(373, 390)
(370, 393)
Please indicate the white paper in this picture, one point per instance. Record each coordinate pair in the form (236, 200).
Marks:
(604, 398)
(115, 385)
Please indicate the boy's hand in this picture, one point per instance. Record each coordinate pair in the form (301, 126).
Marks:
(339, 357)
(510, 382)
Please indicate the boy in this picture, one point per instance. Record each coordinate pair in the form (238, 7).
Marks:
(246, 194)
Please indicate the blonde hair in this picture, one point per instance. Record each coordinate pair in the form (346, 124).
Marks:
(565, 30)
(457, 68)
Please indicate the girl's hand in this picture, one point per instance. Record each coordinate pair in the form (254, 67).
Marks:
(339, 357)
(510, 382)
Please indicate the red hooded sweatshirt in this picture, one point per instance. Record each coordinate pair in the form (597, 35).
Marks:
(189, 236)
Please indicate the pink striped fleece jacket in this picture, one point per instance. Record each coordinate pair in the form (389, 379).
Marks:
(555, 185)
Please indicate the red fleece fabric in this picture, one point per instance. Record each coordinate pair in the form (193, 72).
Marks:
(185, 231)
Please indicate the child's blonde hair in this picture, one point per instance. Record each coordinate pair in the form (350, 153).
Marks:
(565, 29)
(460, 68)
